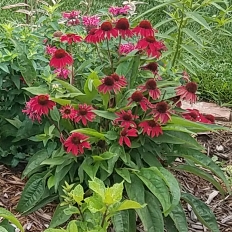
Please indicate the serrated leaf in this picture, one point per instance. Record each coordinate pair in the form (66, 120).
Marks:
(202, 211)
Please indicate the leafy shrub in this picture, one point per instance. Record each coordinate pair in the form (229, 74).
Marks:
(115, 116)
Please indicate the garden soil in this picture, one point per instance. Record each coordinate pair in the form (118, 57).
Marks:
(217, 145)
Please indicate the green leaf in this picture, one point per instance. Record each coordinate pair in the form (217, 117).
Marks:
(170, 127)
(35, 161)
(98, 187)
(55, 230)
(105, 156)
(72, 226)
(69, 87)
(59, 217)
(37, 90)
(10, 217)
(55, 114)
(4, 67)
(202, 211)
(2, 229)
(91, 132)
(129, 204)
(170, 225)
(124, 173)
(187, 66)
(91, 85)
(78, 194)
(199, 172)
(192, 51)
(179, 218)
(124, 221)
(134, 70)
(26, 68)
(54, 161)
(193, 36)
(199, 19)
(15, 122)
(105, 114)
(32, 193)
(113, 194)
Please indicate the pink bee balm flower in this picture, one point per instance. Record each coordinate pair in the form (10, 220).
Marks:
(106, 31)
(109, 84)
(70, 38)
(76, 143)
(38, 106)
(126, 118)
(60, 59)
(151, 87)
(125, 134)
(151, 45)
(50, 50)
(188, 92)
(123, 27)
(90, 21)
(62, 72)
(161, 112)
(119, 80)
(126, 48)
(72, 17)
(139, 99)
(144, 29)
(84, 114)
(92, 37)
(68, 112)
(151, 128)
(116, 11)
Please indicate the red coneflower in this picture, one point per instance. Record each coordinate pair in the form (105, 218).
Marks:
(68, 112)
(144, 29)
(125, 134)
(192, 115)
(120, 80)
(161, 112)
(108, 85)
(60, 59)
(152, 66)
(123, 27)
(92, 37)
(70, 38)
(76, 143)
(34, 116)
(151, 128)
(177, 101)
(151, 87)
(188, 92)
(138, 98)
(151, 45)
(106, 31)
(84, 114)
(126, 118)
(210, 118)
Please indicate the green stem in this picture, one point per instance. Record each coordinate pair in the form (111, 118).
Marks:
(82, 216)
(104, 218)
(110, 58)
(178, 37)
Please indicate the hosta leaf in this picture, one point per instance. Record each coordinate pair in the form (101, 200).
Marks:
(199, 19)
(202, 211)
(179, 218)
(199, 172)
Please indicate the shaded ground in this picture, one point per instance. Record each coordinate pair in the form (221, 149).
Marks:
(218, 146)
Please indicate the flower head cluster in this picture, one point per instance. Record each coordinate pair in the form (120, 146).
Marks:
(72, 17)
(60, 59)
(70, 38)
(62, 73)
(90, 22)
(116, 10)
(126, 48)
(50, 50)
(195, 116)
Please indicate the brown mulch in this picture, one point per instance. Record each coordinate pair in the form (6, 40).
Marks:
(217, 144)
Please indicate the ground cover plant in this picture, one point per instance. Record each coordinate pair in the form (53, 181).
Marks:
(106, 96)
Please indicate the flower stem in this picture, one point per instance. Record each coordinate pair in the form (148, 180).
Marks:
(104, 217)
(110, 58)
(178, 37)
(82, 216)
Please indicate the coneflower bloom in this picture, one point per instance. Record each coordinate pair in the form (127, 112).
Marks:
(151, 46)
(152, 66)
(161, 112)
(90, 22)
(124, 49)
(60, 59)
(144, 29)
(123, 28)
(39, 105)
(76, 143)
(126, 118)
(120, 80)
(70, 38)
(92, 37)
(34, 116)
(210, 118)
(188, 92)
(151, 87)
(192, 115)
(138, 98)
(116, 11)
(106, 31)
(125, 134)
(68, 112)
(84, 114)
(50, 50)
(151, 128)
(108, 85)
(62, 72)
